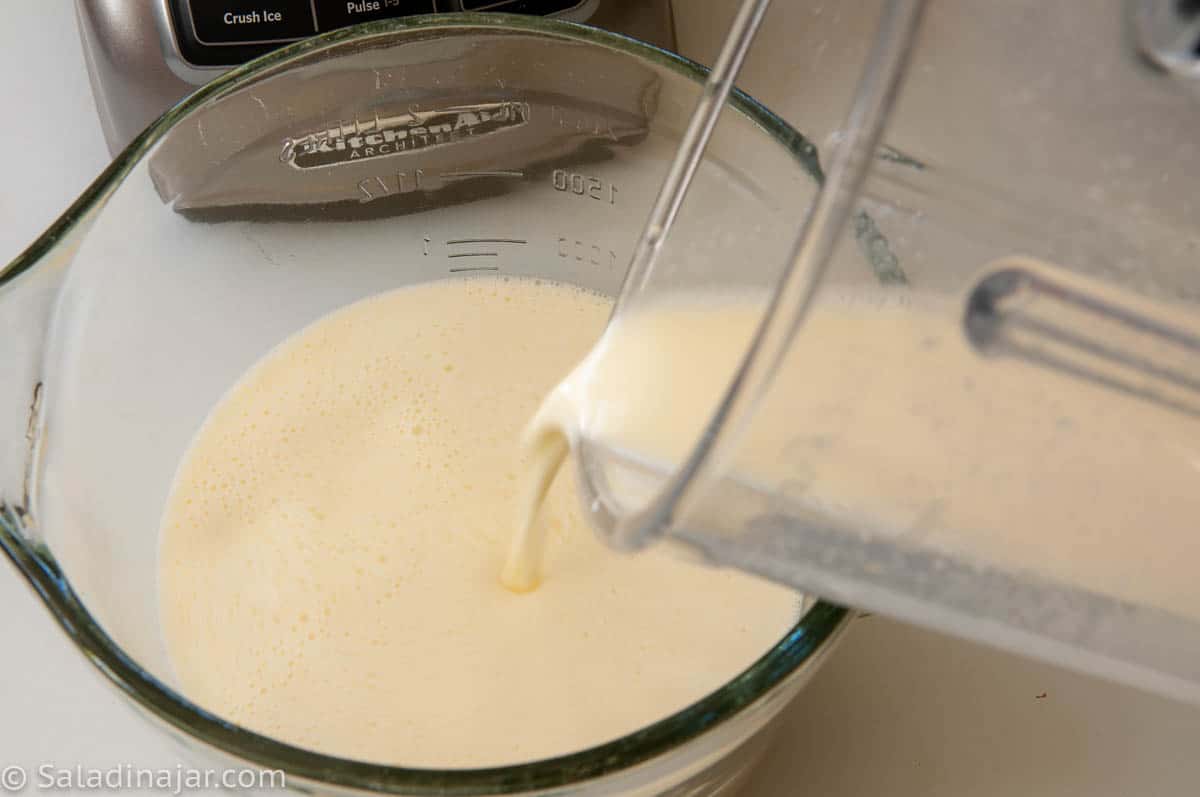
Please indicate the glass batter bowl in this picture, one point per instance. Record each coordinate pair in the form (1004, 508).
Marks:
(338, 168)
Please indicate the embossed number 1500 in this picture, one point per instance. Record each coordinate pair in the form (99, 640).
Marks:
(583, 185)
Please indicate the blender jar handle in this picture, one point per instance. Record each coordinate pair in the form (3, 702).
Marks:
(1049, 318)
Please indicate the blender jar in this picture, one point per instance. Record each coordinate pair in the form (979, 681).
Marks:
(992, 429)
(337, 168)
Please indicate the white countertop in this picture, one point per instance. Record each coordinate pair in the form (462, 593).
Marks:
(895, 711)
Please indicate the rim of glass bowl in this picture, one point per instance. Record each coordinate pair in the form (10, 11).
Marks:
(38, 565)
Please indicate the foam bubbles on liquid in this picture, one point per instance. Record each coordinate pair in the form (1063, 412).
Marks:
(332, 546)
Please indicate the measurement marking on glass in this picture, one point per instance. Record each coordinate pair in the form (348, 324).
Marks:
(584, 185)
(401, 182)
(487, 241)
(573, 119)
(474, 268)
(585, 251)
(469, 175)
(473, 254)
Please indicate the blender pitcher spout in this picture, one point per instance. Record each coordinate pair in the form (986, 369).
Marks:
(28, 289)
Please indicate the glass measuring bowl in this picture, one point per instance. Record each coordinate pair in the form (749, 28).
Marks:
(993, 429)
(338, 168)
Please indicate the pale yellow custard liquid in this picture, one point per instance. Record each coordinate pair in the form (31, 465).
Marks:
(884, 419)
(332, 548)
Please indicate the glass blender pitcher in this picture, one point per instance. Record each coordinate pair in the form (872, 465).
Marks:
(991, 428)
(341, 167)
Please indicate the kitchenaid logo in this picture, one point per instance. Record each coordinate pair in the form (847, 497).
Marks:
(380, 137)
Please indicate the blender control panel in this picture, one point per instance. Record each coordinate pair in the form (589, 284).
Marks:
(229, 32)
(143, 56)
